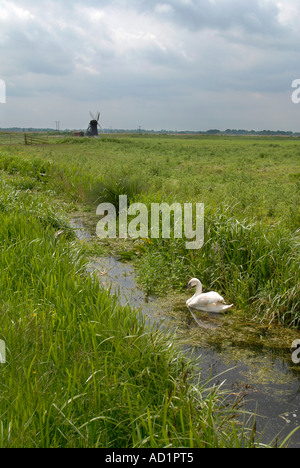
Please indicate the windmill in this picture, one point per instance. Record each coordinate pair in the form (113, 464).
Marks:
(93, 126)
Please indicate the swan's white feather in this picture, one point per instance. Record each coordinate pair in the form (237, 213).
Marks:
(206, 302)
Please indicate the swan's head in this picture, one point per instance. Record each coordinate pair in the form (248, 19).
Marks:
(193, 282)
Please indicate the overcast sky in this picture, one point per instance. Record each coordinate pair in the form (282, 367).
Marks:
(178, 64)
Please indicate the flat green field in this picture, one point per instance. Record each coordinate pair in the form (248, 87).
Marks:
(256, 177)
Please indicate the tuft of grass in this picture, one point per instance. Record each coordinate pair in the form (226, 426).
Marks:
(109, 189)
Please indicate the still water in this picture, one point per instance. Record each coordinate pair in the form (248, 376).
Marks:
(267, 382)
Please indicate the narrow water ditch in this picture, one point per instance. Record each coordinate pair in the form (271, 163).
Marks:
(268, 381)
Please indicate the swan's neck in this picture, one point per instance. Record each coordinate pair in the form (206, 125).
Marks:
(198, 288)
(197, 293)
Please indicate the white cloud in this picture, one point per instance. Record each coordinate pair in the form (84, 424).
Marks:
(289, 13)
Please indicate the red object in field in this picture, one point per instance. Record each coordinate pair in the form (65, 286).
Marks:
(78, 134)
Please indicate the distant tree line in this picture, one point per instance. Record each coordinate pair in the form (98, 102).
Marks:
(213, 131)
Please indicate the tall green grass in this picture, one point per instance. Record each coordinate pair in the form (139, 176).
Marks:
(108, 190)
(41, 174)
(255, 267)
(81, 370)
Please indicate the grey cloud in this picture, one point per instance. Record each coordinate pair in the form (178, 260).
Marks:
(156, 57)
(251, 16)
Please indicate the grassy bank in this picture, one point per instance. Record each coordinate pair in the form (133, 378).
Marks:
(80, 370)
(251, 191)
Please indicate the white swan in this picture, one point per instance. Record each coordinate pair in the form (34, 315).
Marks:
(207, 302)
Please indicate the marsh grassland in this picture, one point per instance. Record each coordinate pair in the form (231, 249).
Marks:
(81, 370)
